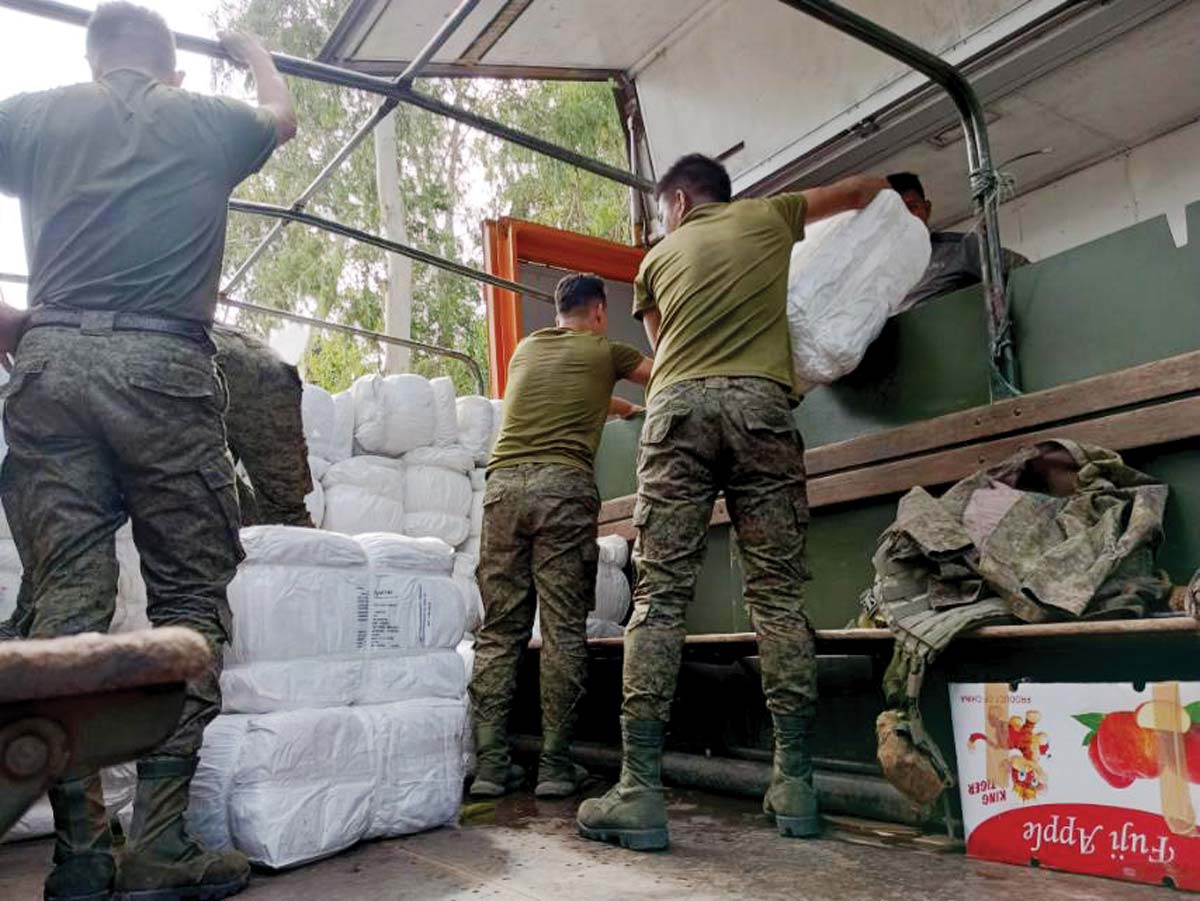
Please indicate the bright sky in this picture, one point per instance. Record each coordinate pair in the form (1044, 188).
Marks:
(36, 54)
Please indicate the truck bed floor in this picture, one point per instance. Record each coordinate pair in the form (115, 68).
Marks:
(523, 849)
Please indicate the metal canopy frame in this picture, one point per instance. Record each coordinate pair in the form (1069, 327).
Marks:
(400, 90)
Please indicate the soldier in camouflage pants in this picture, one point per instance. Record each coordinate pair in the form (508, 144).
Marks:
(701, 437)
(539, 551)
(101, 426)
(266, 432)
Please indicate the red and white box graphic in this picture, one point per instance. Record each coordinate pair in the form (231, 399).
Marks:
(1102, 779)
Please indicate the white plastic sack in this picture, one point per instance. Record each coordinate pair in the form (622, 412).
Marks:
(130, 612)
(415, 602)
(848, 275)
(341, 446)
(613, 595)
(289, 788)
(314, 501)
(455, 458)
(363, 678)
(364, 494)
(437, 503)
(445, 430)
(10, 577)
(475, 426)
(465, 566)
(299, 593)
(393, 414)
(497, 420)
(614, 550)
(320, 421)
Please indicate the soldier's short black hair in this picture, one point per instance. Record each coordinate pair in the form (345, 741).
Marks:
(124, 34)
(699, 177)
(903, 182)
(577, 291)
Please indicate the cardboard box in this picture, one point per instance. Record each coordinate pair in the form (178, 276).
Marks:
(1102, 779)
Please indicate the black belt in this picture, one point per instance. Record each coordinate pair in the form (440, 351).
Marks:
(105, 322)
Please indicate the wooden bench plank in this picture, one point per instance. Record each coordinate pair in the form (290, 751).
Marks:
(1143, 427)
(1157, 381)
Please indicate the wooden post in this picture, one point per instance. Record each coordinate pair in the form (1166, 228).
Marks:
(397, 307)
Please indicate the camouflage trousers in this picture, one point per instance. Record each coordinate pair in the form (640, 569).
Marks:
(265, 430)
(105, 426)
(702, 437)
(539, 551)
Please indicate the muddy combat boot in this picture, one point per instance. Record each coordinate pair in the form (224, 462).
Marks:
(161, 861)
(83, 860)
(495, 773)
(791, 798)
(558, 776)
(634, 813)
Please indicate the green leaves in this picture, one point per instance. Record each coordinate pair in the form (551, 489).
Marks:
(1194, 712)
(1091, 721)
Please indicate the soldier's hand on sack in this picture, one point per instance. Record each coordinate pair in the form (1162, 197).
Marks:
(241, 46)
(12, 326)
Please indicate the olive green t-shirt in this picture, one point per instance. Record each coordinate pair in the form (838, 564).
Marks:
(719, 282)
(123, 185)
(560, 383)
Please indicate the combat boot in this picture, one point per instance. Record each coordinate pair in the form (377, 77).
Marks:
(83, 859)
(162, 862)
(558, 776)
(791, 798)
(633, 813)
(495, 773)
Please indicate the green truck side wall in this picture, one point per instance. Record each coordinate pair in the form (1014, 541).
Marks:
(1126, 299)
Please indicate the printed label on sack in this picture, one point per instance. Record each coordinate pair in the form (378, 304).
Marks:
(1092, 778)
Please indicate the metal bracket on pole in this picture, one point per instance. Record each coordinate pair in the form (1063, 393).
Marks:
(979, 158)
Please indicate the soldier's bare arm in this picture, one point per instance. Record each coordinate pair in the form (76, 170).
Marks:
(651, 320)
(273, 93)
(618, 406)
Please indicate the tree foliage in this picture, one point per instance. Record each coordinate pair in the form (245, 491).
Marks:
(451, 178)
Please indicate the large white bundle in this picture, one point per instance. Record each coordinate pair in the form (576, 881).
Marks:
(129, 615)
(292, 787)
(613, 596)
(297, 594)
(360, 678)
(614, 550)
(455, 458)
(497, 420)
(445, 429)
(120, 785)
(437, 502)
(387, 551)
(415, 602)
(475, 426)
(364, 494)
(848, 275)
(393, 414)
(465, 566)
(341, 446)
(319, 414)
(10, 577)
(314, 501)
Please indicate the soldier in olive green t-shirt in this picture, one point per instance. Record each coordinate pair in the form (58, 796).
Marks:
(114, 408)
(713, 298)
(539, 530)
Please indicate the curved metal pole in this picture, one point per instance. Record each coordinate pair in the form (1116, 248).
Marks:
(279, 212)
(331, 326)
(347, 78)
(979, 158)
(364, 333)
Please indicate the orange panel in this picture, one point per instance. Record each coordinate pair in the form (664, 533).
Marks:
(507, 242)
